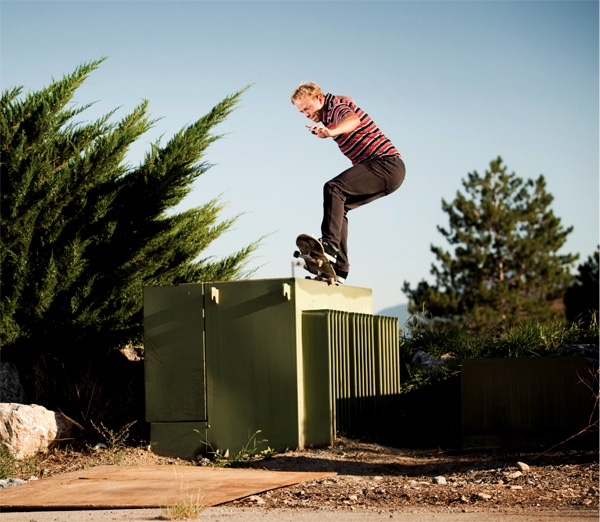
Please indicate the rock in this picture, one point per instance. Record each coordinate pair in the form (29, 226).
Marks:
(426, 361)
(484, 496)
(9, 482)
(522, 466)
(440, 480)
(133, 353)
(11, 389)
(27, 429)
(588, 351)
(514, 475)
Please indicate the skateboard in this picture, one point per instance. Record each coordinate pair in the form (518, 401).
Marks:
(317, 262)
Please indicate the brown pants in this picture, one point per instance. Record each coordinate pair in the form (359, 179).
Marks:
(357, 186)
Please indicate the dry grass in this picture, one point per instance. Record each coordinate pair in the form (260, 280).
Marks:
(188, 507)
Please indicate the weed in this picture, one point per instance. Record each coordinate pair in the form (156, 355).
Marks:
(182, 510)
(249, 453)
(114, 441)
(11, 467)
(591, 382)
(189, 506)
(7, 463)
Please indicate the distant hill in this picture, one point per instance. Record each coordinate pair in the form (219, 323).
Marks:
(400, 311)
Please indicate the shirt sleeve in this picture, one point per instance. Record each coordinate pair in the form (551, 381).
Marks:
(340, 111)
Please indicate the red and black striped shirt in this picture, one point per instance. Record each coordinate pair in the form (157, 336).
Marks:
(363, 143)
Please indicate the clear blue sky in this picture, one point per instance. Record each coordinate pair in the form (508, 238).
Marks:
(452, 84)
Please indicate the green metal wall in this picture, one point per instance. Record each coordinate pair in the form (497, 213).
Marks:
(523, 401)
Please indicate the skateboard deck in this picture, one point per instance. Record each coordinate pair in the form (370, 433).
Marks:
(317, 262)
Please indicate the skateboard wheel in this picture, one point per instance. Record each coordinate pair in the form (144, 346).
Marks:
(296, 254)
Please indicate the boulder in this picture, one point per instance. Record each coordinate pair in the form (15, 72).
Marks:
(27, 429)
(11, 389)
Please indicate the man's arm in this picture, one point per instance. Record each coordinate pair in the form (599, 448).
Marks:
(346, 125)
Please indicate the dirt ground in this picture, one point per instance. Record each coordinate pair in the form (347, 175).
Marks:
(371, 477)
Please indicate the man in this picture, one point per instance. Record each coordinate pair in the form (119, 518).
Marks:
(377, 168)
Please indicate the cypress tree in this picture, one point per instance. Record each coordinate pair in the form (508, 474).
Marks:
(83, 232)
(505, 265)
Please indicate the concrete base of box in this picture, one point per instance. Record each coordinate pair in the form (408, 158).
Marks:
(185, 440)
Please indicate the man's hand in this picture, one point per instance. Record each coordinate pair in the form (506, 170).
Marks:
(319, 131)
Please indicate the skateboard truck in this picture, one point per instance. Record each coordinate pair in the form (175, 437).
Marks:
(316, 261)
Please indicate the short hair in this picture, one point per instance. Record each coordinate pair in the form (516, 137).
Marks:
(310, 89)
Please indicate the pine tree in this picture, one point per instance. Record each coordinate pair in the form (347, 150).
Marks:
(581, 298)
(505, 265)
(83, 232)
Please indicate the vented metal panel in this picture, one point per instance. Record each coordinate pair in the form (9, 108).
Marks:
(386, 338)
(364, 364)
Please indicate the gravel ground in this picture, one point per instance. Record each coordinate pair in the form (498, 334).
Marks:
(378, 481)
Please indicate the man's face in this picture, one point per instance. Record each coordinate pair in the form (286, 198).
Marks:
(310, 107)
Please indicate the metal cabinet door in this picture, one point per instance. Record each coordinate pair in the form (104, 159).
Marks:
(174, 353)
(252, 363)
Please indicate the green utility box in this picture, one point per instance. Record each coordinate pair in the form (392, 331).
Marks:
(224, 360)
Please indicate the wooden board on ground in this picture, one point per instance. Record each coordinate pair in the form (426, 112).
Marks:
(146, 487)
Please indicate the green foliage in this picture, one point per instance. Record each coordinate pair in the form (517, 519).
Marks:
(7, 463)
(505, 266)
(529, 338)
(418, 378)
(11, 467)
(83, 232)
(581, 298)
(250, 452)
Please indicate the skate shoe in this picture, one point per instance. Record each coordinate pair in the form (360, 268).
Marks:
(330, 251)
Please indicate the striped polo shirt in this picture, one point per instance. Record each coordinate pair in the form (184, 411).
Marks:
(366, 141)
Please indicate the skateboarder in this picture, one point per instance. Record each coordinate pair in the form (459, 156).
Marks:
(377, 167)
